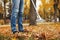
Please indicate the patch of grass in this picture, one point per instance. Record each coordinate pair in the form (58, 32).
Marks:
(2, 37)
(54, 39)
(21, 38)
(31, 38)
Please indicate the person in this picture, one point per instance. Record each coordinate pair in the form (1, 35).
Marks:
(17, 11)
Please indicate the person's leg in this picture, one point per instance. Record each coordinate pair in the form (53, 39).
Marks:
(21, 8)
(15, 10)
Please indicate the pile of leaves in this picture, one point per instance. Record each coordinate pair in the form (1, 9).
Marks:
(47, 31)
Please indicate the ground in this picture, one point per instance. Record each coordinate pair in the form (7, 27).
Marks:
(41, 31)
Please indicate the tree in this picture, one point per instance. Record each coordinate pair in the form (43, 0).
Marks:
(4, 11)
(1, 8)
(5, 1)
(46, 9)
(1, 11)
(32, 14)
(59, 9)
(10, 8)
(26, 9)
(55, 9)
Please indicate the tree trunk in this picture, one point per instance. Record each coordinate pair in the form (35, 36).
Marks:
(59, 9)
(55, 9)
(59, 15)
(10, 8)
(4, 12)
(32, 14)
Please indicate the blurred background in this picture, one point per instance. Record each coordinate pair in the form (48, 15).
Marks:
(47, 10)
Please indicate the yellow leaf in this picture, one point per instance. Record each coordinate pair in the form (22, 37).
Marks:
(14, 39)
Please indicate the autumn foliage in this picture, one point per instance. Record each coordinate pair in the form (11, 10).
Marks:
(45, 31)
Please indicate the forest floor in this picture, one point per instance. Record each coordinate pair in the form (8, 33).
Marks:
(41, 31)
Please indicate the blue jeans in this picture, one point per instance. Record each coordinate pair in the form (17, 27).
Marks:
(17, 10)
